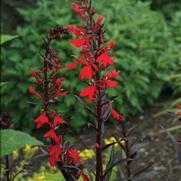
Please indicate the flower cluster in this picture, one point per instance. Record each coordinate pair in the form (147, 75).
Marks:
(179, 111)
(49, 89)
(95, 57)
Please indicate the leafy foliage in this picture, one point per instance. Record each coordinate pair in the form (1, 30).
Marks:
(12, 140)
(146, 54)
(5, 38)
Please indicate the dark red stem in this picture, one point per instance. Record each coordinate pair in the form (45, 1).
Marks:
(7, 168)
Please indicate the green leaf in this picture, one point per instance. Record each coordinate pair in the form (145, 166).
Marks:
(12, 140)
(5, 38)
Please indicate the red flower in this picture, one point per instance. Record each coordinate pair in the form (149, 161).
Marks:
(79, 42)
(51, 134)
(72, 65)
(104, 59)
(84, 177)
(88, 91)
(110, 83)
(112, 74)
(77, 8)
(54, 153)
(86, 72)
(58, 120)
(116, 115)
(33, 91)
(76, 31)
(74, 156)
(98, 21)
(40, 120)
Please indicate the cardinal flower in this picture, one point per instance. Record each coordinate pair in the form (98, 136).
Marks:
(88, 91)
(86, 72)
(104, 59)
(76, 31)
(72, 65)
(116, 115)
(73, 155)
(40, 120)
(33, 91)
(58, 120)
(79, 42)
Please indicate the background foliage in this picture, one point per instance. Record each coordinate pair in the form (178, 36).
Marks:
(147, 54)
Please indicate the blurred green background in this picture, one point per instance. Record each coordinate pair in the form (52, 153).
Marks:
(148, 51)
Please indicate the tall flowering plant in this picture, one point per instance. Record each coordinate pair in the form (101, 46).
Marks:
(98, 72)
(49, 84)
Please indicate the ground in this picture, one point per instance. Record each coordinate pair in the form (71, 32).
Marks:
(159, 149)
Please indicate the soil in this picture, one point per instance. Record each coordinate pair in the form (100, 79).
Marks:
(159, 150)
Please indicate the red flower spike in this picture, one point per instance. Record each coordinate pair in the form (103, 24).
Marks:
(88, 91)
(33, 91)
(74, 155)
(116, 115)
(76, 31)
(79, 42)
(58, 120)
(72, 65)
(40, 120)
(86, 72)
(104, 59)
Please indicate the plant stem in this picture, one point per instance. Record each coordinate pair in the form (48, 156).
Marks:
(99, 169)
(127, 151)
(7, 168)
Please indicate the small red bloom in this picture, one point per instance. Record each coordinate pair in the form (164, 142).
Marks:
(51, 134)
(58, 120)
(72, 65)
(74, 155)
(40, 120)
(54, 153)
(79, 42)
(112, 74)
(98, 21)
(88, 91)
(84, 177)
(76, 31)
(86, 72)
(104, 59)
(33, 91)
(116, 115)
(111, 83)
(77, 8)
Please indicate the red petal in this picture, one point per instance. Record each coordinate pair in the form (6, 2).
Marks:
(86, 72)
(72, 65)
(99, 20)
(76, 31)
(85, 177)
(111, 83)
(33, 91)
(82, 60)
(51, 134)
(40, 120)
(116, 115)
(112, 74)
(77, 8)
(104, 59)
(58, 120)
(79, 42)
(88, 91)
